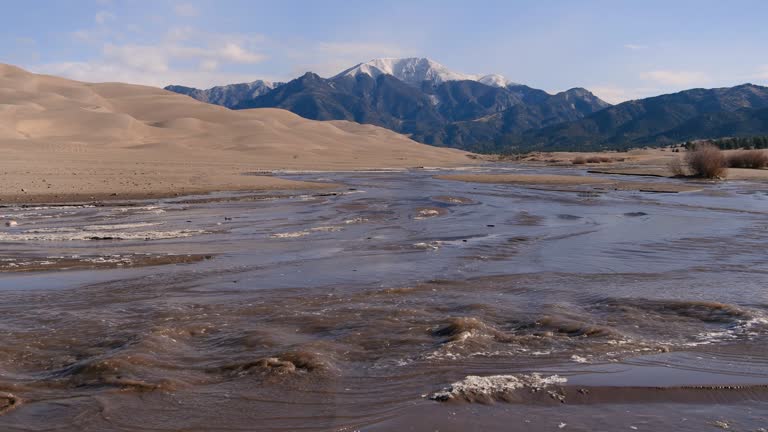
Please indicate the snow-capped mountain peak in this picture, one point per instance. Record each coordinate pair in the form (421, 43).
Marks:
(495, 80)
(415, 70)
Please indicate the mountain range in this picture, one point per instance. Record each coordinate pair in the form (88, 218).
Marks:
(434, 105)
(657, 121)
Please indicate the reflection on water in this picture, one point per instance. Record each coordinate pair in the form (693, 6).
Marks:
(347, 310)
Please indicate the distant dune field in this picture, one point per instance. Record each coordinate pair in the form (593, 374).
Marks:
(64, 139)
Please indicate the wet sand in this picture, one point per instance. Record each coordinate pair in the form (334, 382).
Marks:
(398, 301)
(597, 183)
(98, 181)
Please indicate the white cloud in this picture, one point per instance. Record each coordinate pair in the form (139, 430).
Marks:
(100, 71)
(236, 54)
(186, 55)
(179, 34)
(362, 51)
(146, 58)
(330, 58)
(159, 58)
(181, 55)
(635, 47)
(762, 73)
(615, 94)
(186, 10)
(209, 65)
(102, 17)
(676, 78)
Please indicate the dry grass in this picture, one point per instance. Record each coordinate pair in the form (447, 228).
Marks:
(579, 160)
(706, 160)
(597, 159)
(677, 167)
(754, 159)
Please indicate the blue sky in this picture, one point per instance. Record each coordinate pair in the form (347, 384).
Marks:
(618, 49)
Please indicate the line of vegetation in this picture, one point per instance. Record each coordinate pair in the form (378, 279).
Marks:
(735, 143)
(705, 159)
(754, 159)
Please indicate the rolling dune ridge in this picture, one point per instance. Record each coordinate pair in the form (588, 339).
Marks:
(64, 140)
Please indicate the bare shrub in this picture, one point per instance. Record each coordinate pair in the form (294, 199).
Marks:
(677, 167)
(605, 159)
(593, 159)
(706, 160)
(755, 159)
(579, 160)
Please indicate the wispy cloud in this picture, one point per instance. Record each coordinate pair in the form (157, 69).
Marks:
(102, 17)
(99, 71)
(614, 94)
(186, 10)
(676, 77)
(329, 58)
(174, 51)
(180, 53)
(635, 47)
(762, 73)
(360, 50)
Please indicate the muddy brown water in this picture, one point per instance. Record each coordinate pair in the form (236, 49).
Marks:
(351, 311)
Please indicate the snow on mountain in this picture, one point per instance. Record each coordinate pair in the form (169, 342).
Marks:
(227, 95)
(496, 80)
(416, 70)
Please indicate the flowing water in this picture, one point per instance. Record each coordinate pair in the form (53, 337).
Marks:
(399, 302)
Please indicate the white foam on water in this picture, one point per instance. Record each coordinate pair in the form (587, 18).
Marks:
(112, 259)
(35, 235)
(426, 213)
(303, 233)
(474, 386)
(744, 328)
(433, 245)
(579, 359)
(326, 229)
(121, 226)
(288, 235)
(51, 230)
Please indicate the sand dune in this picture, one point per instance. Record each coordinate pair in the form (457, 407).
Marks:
(62, 137)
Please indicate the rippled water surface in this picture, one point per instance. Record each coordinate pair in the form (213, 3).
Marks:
(356, 309)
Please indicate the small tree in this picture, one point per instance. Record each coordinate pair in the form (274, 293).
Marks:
(706, 160)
